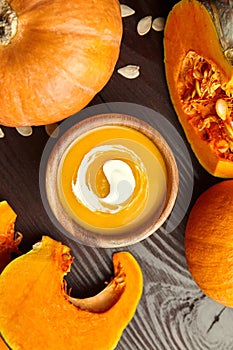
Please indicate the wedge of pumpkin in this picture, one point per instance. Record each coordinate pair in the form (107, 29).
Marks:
(36, 312)
(9, 239)
(198, 48)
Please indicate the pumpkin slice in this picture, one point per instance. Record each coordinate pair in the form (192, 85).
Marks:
(198, 56)
(9, 240)
(36, 313)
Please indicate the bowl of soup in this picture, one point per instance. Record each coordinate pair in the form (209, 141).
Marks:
(110, 180)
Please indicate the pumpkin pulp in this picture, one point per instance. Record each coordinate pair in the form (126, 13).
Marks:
(201, 88)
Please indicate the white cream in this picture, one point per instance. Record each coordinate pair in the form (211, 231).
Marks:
(119, 176)
(121, 180)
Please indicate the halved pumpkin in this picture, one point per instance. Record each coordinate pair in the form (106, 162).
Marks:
(9, 240)
(198, 62)
(36, 312)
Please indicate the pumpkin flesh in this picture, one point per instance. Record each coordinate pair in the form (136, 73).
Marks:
(9, 240)
(198, 75)
(41, 304)
(62, 54)
(3, 346)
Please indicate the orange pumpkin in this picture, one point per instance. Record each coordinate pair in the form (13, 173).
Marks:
(9, 240)
(198, 44)
(55, 56)
(209, 242)
(40, 315)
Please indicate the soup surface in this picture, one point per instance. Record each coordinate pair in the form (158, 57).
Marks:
(111, 179)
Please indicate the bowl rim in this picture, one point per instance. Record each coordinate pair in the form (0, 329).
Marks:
(111, 240)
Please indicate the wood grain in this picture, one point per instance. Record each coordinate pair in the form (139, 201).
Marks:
(173, 314)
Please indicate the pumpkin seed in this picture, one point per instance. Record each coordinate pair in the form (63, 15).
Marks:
(129, 71)
(222, 146)
(206, 72)
(229, 130)
(158, 24)
(52, 130)
(144, 25)
(193, 93)
(24, 130)
(197, 87)
(37, 245)
(231, 146)
(221, 107)
(126, 11)
(197, 75)
(1, 133)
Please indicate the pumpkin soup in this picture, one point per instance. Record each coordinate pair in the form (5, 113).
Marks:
(112, 177)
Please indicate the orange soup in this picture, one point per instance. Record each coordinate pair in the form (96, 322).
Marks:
(111, 178)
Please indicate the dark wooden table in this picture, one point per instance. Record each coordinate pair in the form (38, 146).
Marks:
(173, 313)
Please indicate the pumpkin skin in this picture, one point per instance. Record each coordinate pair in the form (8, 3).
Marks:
(209, 242)
(191, 35)
(9, 240)
(40, 316)
(62, 54)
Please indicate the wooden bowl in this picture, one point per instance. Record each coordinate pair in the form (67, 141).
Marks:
(128, 234)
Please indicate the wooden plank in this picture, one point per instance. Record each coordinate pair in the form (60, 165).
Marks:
(173, 313)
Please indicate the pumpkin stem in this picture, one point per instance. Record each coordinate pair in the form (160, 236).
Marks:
(222, 13)
(229, 55)
(8, 23)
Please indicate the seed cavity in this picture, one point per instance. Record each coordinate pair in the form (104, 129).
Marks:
(207, 101)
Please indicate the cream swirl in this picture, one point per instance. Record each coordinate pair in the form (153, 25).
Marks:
(117, 172)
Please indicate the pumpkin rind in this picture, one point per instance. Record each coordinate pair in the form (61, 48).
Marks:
(40, 316)
(63, 54)
(9, 241)
(190, 27)
(209, 242)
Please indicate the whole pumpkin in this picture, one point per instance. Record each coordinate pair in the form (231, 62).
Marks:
(55, 56)
(209, 242)
(198, 45)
